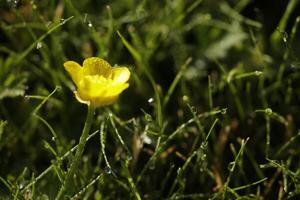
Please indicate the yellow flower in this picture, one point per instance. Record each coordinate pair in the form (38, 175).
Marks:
(98, 84)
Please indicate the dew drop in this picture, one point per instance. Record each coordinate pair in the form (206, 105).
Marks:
(262, 166)
(179, 170)
(285, 36)
(146, 139)
(148, 118)
(48, 23)
(12, 3)
(90, 25)
(203, 145)
(62, 21)
(152, 165)
(193, 109)
(33, 5)
(295, 66)
(223, 111)
(39, 45)
(85, 158)
(258, 73)
(107, 170)
(22, 184)
(268, 111)
(185, 98)
(129, 157)
(151, 100)
(231, 166)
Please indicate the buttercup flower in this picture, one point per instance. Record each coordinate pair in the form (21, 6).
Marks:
(98, 84)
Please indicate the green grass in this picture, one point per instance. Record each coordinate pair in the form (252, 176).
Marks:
(212, 111)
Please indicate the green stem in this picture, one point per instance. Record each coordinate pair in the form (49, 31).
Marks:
(76, 159)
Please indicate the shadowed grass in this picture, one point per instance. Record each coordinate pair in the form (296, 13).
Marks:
(212, 111)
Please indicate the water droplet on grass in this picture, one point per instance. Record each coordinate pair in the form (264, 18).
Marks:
(48, 23)
(12, 3)
(146, 139)
(231, 166)
(33, 5)
(203, 146)
(39, 45)
(90, 25)
(268, 111)
(151, 100)
(263, 166)
(85, 158)
(178, 170)
(62, 21)
(193, 109)
(22, 185)
(295, 66)
(185, 98)
(223, 111)
(129, 157)
(148, 118)
(152, 165)
(285, 36)
(258, 73)
(107, 170)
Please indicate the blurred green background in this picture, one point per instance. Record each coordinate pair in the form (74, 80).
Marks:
(212, 110)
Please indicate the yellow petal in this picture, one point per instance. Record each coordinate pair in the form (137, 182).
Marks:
(116, 89)
(78, 97)
(75, 71)
(104, 101)
(99, 92)
(120, 74)
(96, 66)
(98, 84)
(109, 96)
(93, 86)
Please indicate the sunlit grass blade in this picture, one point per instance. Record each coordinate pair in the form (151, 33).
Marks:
(103, 142)
(175, 81)
(83, 190)
(276, 35)
(51, 167)
(22, 55)
(232, 166)
(128, 156)
(44, 100)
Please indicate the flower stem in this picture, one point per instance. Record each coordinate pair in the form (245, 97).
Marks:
(80, 148)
